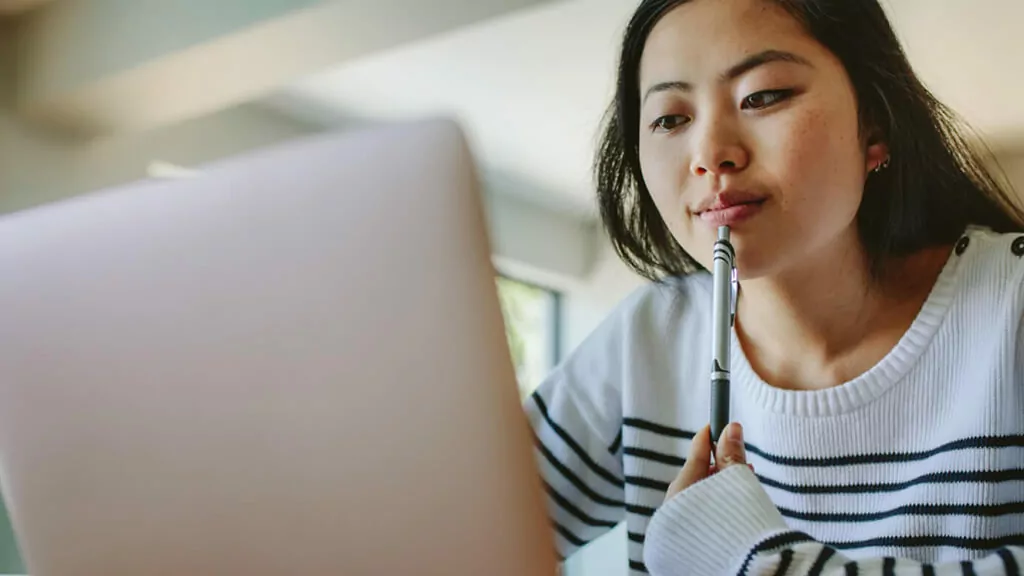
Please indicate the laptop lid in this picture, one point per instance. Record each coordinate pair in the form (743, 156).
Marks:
(293, 363)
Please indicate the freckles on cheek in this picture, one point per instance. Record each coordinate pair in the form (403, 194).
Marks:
(817, 157)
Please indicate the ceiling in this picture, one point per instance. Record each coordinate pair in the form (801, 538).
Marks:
(531, 88)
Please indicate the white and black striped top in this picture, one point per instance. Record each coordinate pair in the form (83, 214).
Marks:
(919, 459)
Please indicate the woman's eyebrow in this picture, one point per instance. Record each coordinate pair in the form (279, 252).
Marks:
(735, 71)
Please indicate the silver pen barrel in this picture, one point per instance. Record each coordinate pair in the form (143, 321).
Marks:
(722, 319)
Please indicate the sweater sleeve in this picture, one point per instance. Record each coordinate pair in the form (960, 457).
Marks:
(580, 464)
(727, 524)
(576, 417)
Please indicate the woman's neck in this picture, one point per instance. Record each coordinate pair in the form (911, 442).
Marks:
(829, 321)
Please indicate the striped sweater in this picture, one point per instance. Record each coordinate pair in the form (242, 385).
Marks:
(917, 464)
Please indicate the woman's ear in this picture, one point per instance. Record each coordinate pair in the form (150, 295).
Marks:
(876, 158)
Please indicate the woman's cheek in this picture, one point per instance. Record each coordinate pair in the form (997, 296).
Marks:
(663, 174)
(816, 157)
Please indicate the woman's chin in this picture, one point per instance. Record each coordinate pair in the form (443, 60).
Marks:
(751, 264)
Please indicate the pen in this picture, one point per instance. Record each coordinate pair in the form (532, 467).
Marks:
(724, 313)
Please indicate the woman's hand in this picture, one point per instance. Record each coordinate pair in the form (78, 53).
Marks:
(729, 452)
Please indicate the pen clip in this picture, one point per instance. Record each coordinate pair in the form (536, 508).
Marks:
(734, 296)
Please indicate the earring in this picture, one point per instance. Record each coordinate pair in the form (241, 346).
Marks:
(882, 165)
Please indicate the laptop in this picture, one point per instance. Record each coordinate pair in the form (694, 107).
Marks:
(292, 363)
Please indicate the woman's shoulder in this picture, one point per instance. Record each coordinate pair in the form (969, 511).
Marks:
(987, 283)
(1008, 246)
(656, 309)
(991, 261)
(643, 327)
(640, 337)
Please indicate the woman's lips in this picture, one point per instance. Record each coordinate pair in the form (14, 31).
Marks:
(731, 215)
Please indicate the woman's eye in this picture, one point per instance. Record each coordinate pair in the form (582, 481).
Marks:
(669, 123)
(765, 98)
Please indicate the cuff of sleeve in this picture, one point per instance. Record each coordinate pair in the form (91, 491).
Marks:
(710, 527)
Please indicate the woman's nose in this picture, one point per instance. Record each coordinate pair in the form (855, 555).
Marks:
(718, 151)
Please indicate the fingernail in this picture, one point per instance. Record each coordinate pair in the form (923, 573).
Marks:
(735, 432)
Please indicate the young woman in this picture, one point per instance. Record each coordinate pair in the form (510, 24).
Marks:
(878, 348)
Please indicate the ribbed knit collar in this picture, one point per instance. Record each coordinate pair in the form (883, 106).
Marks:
(868, 386)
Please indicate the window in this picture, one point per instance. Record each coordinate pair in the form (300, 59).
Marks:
(532, 322)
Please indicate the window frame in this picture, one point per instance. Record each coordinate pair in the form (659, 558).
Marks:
(556, 325)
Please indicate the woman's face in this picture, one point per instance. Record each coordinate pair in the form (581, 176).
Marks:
(748, 121)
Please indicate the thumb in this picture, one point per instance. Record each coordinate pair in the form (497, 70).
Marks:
(730, 449)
